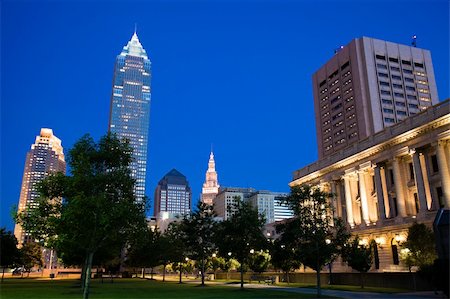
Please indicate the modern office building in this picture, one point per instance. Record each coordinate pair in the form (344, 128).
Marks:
(130, 106)
(388, 181)
(211, 185)
(270, 205)
(172, 196)
(367, 86)
(227, 197)
(45, 157)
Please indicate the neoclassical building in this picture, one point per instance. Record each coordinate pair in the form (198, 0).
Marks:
(389, 180)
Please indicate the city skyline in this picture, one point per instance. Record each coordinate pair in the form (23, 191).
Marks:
(243, 82)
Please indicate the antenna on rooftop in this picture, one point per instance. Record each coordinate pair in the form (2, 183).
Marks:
(414, 41)
(338, 49)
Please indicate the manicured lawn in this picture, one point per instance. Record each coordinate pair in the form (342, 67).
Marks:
(129, 288)
(346, 288)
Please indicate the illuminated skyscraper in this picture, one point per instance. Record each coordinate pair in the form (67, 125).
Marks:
(130, 106)
(211, 185)
(45, 157)
(172, 195)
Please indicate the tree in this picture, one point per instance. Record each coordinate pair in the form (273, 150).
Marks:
(98, 207)
(259, 261)
(240, 234)
(215, 263)
(145, 251)
(9, 254)
(284, 256)
(419, 248)
(198, 232)
(315, 235)
(30, 256)
(358, 256)
(174, 250)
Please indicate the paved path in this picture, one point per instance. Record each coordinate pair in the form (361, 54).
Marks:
(345, 294)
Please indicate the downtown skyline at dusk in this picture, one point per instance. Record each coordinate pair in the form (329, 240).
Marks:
(236, 75)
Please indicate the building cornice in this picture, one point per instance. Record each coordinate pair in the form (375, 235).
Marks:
(413, 127)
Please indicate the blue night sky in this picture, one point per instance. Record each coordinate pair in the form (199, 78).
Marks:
(236, 74)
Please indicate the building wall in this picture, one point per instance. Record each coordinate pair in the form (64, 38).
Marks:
(227, 198)
(367, 86)
(385, 183)
(172, 196)
(45, 157)
(130, 106)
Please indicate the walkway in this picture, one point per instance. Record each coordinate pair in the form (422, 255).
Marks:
(346, 294)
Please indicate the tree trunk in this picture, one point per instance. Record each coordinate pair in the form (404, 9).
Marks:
(83, 273)
(287, 276)
(151, 274)
(164, 272)
(143, 273)
(181, 267)
(88, 275)
(203, 272)
(3, 273)
(362, 280)
(242, 276)
(318, 282)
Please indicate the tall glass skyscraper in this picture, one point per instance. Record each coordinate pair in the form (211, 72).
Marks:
(45, 157)
(130, 106)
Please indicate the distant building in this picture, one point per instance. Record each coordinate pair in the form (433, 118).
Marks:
(270, 205)
(367, 86)
(211, 186)
(388, 181)
(45, 157)
(227, 197)
(130, 106)
(172, 196)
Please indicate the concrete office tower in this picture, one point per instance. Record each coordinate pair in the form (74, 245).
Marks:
(45, 157)
(211, 185)
(270, 205)
(130, 106)
(227, 197)
(368, 85)
(172, 196)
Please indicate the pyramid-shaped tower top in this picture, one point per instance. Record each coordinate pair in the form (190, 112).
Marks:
(134, 48)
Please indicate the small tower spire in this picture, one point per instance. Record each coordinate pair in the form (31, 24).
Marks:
(135, 28)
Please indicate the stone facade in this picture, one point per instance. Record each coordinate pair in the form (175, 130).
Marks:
(391, 179)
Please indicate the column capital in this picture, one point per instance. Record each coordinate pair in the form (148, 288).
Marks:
(401, 152)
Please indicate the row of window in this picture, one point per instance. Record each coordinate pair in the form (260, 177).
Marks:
(396, 60)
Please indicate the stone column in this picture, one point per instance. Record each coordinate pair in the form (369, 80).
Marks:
(380, 193)
(348, 201)
(334, 200)
(426, 182)
(387, 205)
(418, 177)
(399, 188)
(444, 171)
(363, 196)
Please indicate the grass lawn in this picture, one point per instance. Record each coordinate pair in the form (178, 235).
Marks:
(345, 288)
(129, 288)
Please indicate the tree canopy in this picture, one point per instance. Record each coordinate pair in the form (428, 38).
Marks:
(315, 235)
(241, 233)
(93, 207)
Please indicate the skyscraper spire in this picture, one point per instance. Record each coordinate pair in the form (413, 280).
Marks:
(211, 185)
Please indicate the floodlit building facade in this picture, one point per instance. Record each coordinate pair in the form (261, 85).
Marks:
(211, 185)
(45, 157)
(388, 181)
(130, 106)
(172, 196)
(367, 86)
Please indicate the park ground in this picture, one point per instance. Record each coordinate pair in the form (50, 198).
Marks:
(39, 288)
